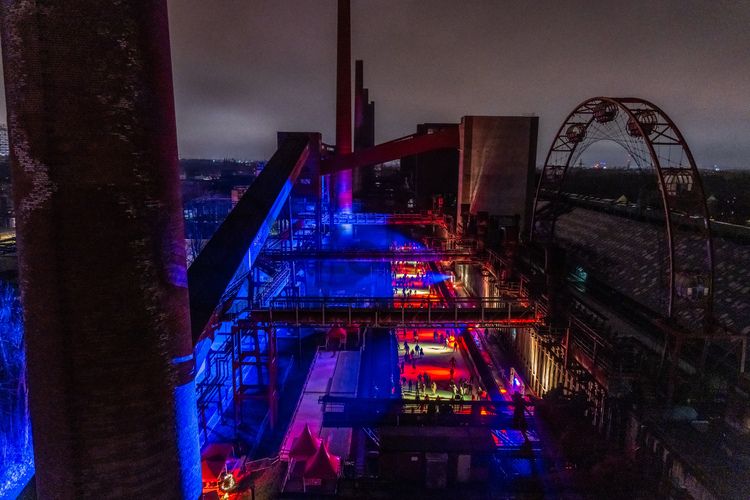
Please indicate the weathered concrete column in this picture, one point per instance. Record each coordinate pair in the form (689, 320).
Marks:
(101, 248)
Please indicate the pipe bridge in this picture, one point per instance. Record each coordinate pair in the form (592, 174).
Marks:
(491, 312)
(422, 255)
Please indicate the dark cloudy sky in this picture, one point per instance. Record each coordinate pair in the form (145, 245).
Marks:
(246, 68)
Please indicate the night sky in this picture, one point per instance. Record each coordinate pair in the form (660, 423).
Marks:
(246, 68)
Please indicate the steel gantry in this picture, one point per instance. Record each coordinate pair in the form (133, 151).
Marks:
(655, 143)
(483, 312)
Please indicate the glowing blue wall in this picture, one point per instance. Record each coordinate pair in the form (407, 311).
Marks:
(186, 405)
(16, 452)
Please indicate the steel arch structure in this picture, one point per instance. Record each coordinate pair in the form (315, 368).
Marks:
(652, 139)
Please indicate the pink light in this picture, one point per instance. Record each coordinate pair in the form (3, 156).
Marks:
(344, 191)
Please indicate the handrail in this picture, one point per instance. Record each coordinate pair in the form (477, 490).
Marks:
(438, 303)
(421, 254)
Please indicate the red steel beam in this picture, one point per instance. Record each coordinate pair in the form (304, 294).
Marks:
(398, 148)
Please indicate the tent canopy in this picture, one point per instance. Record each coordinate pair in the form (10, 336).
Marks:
(305, 445)
(322, 465)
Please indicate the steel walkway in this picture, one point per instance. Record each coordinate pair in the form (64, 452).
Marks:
(391, 312)
(426, 255)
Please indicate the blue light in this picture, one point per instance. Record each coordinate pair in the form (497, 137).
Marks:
(580, 274)
(347, 229)
(188, 446)
(257, 244)
(436, 278)
(16, 451)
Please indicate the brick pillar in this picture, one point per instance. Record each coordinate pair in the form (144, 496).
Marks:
(101, 248)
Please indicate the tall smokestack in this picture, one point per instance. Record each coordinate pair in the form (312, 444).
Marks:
(360, 103)
(343, 180)
(344, 80)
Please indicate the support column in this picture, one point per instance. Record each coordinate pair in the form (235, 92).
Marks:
(101, 249)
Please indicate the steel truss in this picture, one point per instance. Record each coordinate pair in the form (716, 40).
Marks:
(654, 142)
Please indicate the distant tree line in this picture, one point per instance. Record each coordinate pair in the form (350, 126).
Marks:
(728, 191)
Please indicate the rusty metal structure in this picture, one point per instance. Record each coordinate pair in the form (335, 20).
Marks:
(652, 139)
